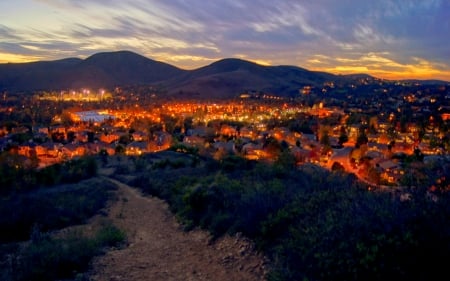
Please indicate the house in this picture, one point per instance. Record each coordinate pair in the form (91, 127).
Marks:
(199, 131)
(195, 141)
(253, 151)
(43, 130)
(58, 129)
(109, 137)
(380, 147)
(97, 146)
(3, 131)
(227, 147)
(246, 132)
(280, 133)
(20, 130)
(82, 136)
(163, 140)
(136, 148)
(71, 150)
(139, 136)
(341, 156)
(389, 171)
(48, 149)
(227, 130)
(301, 155)
(27, 150)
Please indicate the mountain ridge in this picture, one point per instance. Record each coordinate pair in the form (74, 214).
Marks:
(223, 78)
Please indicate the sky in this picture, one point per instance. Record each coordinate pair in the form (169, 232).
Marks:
(391, 39)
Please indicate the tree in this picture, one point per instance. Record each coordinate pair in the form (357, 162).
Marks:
(374, 175)
(286, 160)
(337, 167)
(325, 138)
(343, 138)
(125, 139)
(272, 146)
(418, 155)
(103, 156)
(90, 136)
(188, 123)
(361, 139)
(120, 149)
(71, 136)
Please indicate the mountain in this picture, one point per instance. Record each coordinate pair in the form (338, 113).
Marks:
(123, 68)
(224, 78)
(232, 76)
(100, 70)
(35, 75)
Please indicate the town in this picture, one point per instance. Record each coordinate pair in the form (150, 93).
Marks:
(388, 134)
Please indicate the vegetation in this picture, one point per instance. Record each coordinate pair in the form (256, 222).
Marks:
(47, 258)
(313, 224)
(34, 204)
(51, 208)
(16, 176)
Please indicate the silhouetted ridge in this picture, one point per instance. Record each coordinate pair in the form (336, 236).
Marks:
(108, 69)
(222, 79)
(123, 68)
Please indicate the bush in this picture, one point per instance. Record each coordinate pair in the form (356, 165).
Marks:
(47, 258)
(313, 224)
(109, 235)
(52, 208)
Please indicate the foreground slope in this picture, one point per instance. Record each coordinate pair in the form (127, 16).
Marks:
(159, 249)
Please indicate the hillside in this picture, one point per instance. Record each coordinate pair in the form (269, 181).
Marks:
(309, 223)
(224, 78)
(159, 249)
(102, 70)
(229, 77)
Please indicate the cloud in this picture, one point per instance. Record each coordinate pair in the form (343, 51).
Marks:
(348, 34)
(366, 35)
(383, 65)
(7, 33)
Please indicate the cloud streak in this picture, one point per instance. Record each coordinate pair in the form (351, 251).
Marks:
(381, 37)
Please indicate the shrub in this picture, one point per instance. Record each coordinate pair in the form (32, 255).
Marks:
(52, 208)
(47, 258)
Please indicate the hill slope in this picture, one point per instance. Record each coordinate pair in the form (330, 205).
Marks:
(100, 70)
(224, 78)
(160, 250)
(229, 77)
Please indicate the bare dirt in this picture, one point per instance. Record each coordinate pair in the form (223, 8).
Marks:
(159, 249)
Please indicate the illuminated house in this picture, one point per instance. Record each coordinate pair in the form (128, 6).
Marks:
(136, 148)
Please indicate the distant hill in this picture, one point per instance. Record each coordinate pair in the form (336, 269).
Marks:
(229, 77)
(427, 82)
(100, 70)
(224, 78)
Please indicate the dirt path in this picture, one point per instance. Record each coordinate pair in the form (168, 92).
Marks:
(160, 250)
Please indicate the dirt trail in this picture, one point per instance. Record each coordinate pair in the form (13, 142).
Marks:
(158, 248)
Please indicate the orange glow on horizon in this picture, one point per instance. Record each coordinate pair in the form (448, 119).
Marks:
(420, 74)
(381, 66)
(376, 66)
(14, 58)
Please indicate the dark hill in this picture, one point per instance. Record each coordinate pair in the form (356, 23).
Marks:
(100, 70)
(222, 79)
(225, 78)
(124, 68)
(34, 75)
(229, 77)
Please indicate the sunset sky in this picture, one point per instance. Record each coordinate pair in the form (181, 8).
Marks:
(385, 38)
